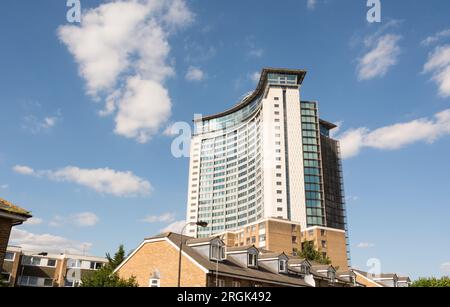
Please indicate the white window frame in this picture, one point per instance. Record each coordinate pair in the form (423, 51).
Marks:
(283, 263)
(221, 283)
(13, 258)
(252, 260)
(236, 284)
(151, 283)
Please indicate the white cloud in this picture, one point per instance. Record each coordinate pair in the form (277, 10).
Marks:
(163, 218)
(194, 74)
(83, 219)
(436, 37)
(102, 180)
(175, 227)
(438, 65)
(23, 170)
(46, 242)
(382, 55)
(256, 52)
(351, 142)
(395, 136)
(170, 131)
(122, 51)
(33, 221)
(4, 186)
(445, 267)
(136, 117)
(365, 245)
(255, 76)
(37, 125)
(352, 198)
(311, 4)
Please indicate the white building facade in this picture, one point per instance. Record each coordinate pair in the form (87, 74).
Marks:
(263, 159)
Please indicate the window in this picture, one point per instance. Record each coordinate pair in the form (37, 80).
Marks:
(9, 256)
(294, 239)
(217, 252)
(154, 283)
(221, 283)
(236, 284)
(305, 269)
(73, 263)
(28, 260)
(5, 278)
(71, 283)
(324, 244)
(51, 262)
(331, 275)
(252, 260)
(48, 282)
(282, 266)
(96, 265)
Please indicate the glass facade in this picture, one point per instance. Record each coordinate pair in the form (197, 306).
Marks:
(228, 121)
(315, 213)
(230, 190)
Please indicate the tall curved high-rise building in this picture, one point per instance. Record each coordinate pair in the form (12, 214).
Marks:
(270, 156)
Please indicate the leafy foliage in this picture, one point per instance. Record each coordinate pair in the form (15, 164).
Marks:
(105, 276)
(310, 253)
(432, 282)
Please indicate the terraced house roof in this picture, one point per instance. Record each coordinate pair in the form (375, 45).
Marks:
(8, 207)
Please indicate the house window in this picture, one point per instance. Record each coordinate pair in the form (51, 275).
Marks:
(9, 256)
(331, 276)
(252, 259)
(155, 283)
(51, 262)
(221, 283)
(217, 252)
(5, 278)
(73, 263)
(282, 266)
(236, 284)
(324, 243)
(34, 261)
(305, 269)
(48, 282)
(96, 265)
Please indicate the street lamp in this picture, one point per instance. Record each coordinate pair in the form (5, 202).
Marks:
(199, 223)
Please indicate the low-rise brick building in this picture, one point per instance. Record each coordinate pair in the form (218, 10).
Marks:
(10, 215)
(208, 262)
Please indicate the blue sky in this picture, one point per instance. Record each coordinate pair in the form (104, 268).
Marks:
(98, 174)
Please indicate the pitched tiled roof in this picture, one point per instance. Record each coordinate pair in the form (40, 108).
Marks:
(8, 207)
(200, 240)
(231, 267)
(239, 248)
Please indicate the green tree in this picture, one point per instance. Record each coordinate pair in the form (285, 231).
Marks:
(310, 253)
(432, 282)
(105, 276)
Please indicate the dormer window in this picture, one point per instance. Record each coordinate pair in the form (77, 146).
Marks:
(217, 252)
(282, 266)
(331, 275)
(305, 269)
(252, 260)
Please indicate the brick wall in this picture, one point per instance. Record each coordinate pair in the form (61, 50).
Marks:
(5, 231)
(161, 256)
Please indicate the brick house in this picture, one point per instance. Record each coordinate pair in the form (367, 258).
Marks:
(208, 262)
(10, 215)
